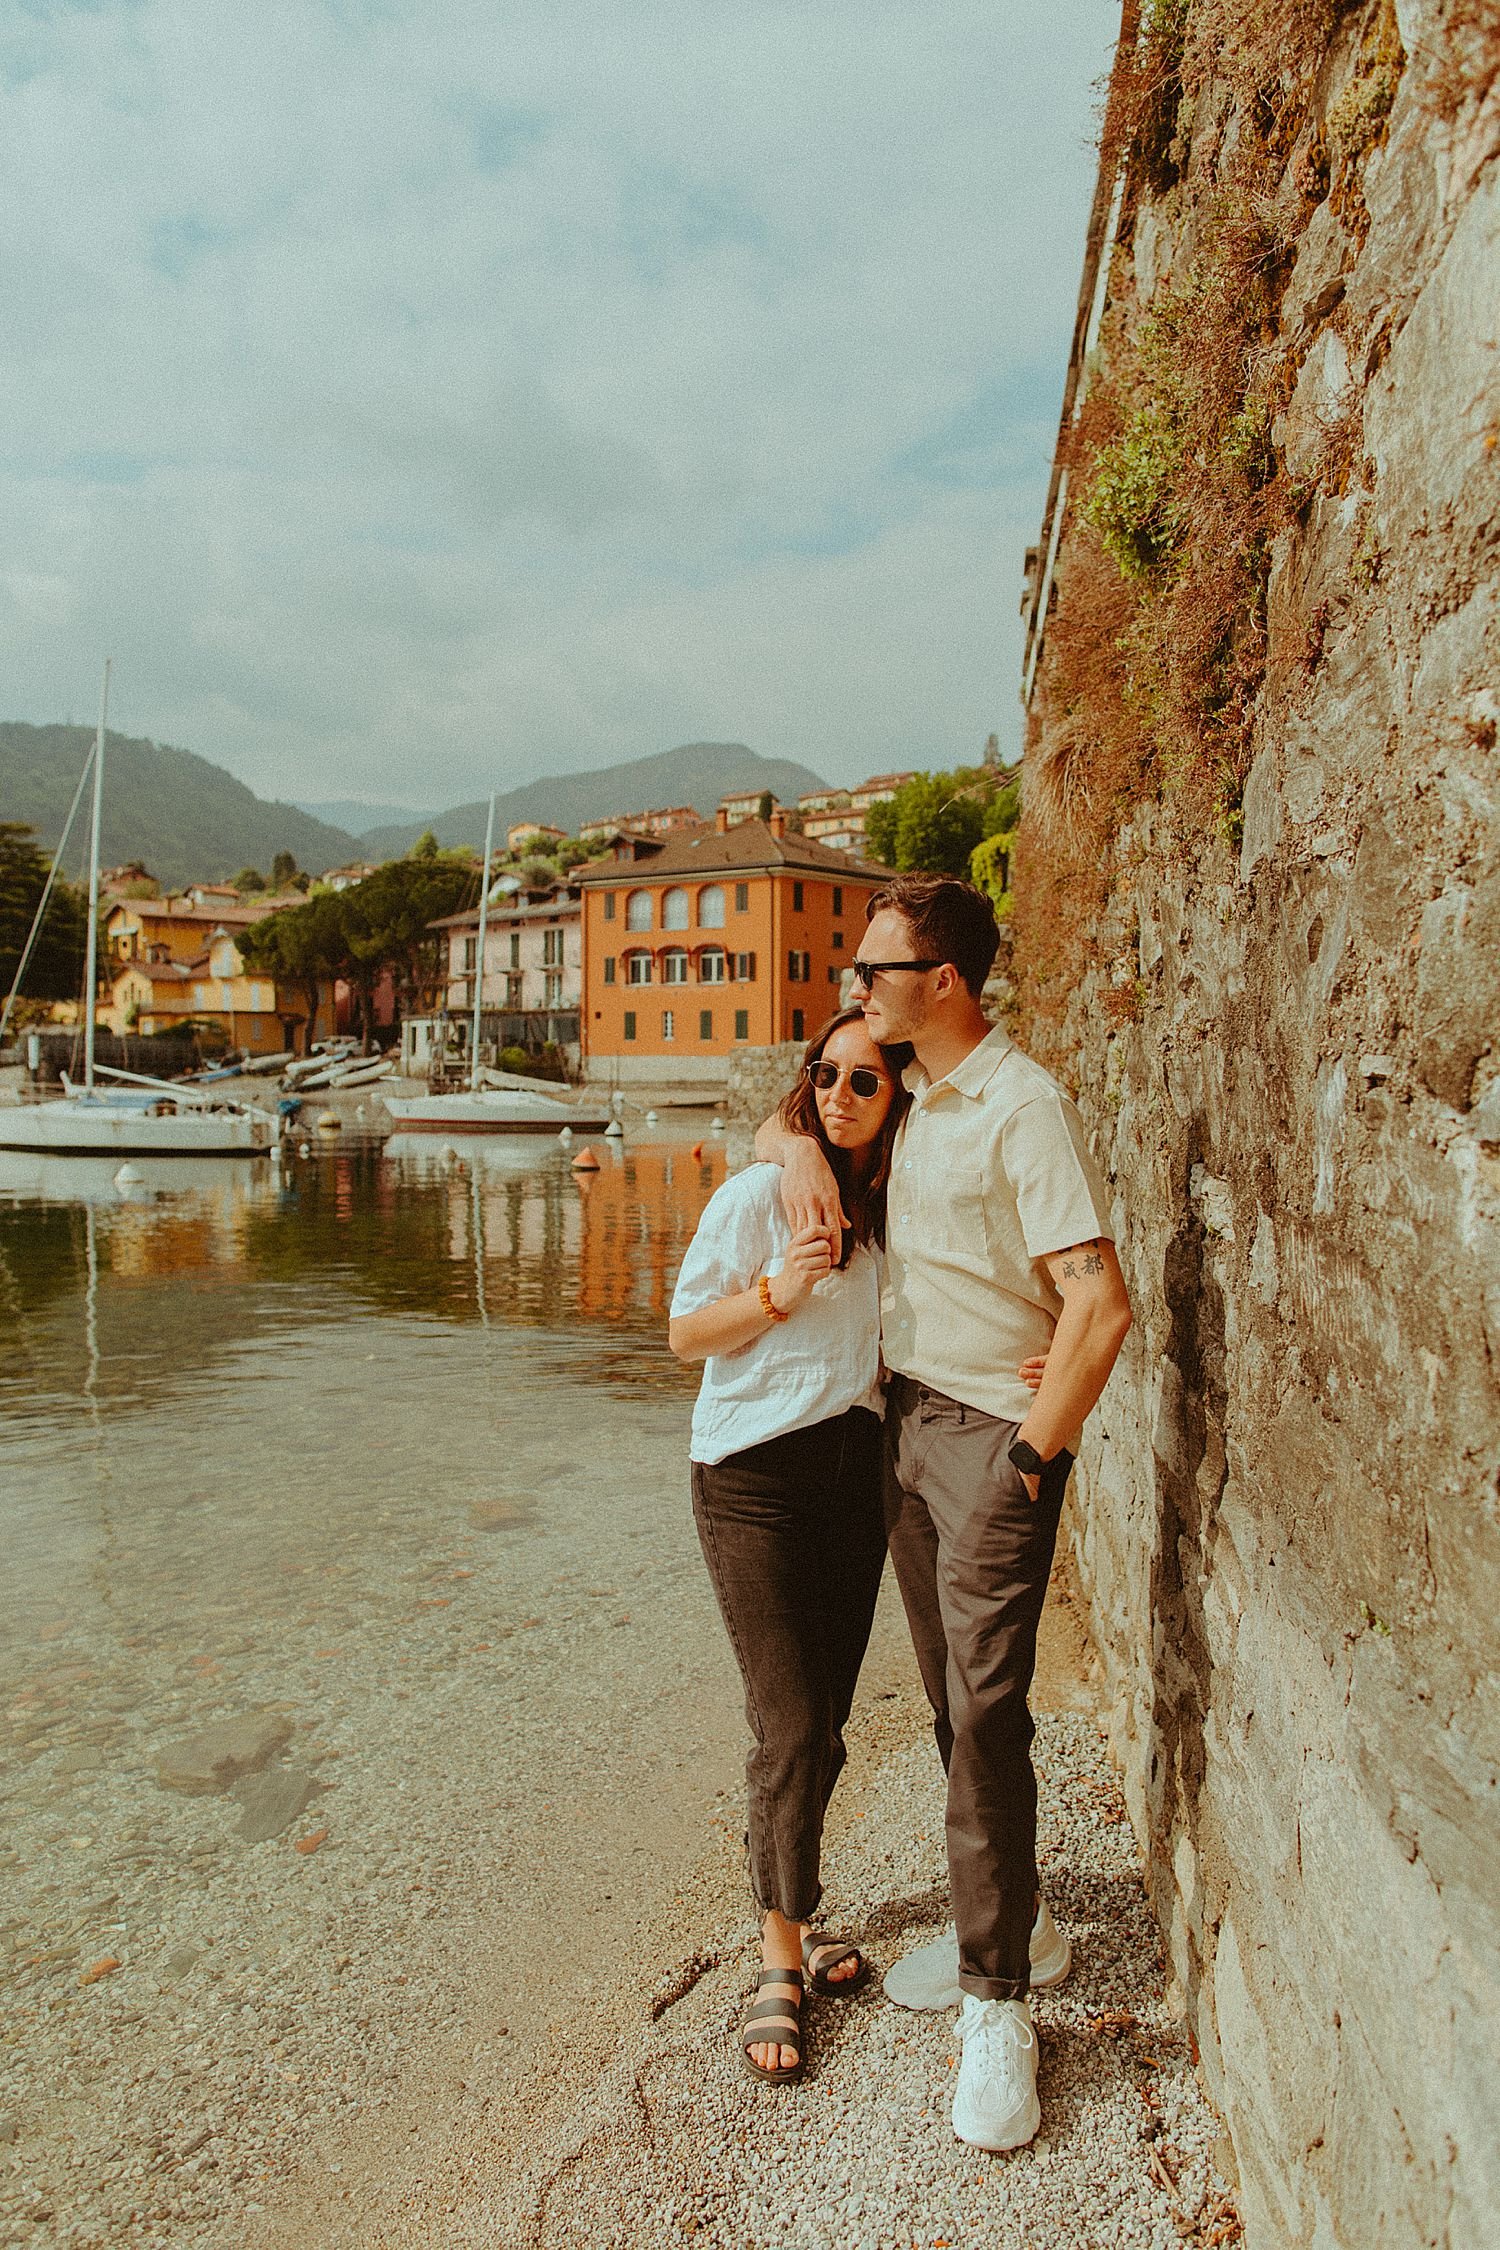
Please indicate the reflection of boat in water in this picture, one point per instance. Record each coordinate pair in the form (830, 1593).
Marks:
(31, 1176)
(490, 1109)
(135, 1116)
(429, 1155)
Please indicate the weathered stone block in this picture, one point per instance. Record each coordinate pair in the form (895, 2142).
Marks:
(205, 1763)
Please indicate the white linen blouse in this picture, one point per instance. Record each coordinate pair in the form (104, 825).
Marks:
(817, 1364)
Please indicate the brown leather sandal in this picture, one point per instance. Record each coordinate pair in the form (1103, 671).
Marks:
(775, 2021)
(820, 1953)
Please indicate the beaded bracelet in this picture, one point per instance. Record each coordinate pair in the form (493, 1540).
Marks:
(771, 1311)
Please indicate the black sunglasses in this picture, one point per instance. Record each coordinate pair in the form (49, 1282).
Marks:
(866, 971)
(865, 1083)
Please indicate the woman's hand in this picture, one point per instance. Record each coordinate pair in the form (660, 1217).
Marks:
(807, 1261)
(1032, 1370)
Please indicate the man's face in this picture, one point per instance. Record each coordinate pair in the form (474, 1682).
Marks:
(897, 1005)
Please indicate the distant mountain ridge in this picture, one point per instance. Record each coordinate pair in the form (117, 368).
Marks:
(357, 817)
(695, 773)
(182, 816)
(189, 820)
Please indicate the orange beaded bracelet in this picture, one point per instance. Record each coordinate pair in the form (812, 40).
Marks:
(771, 1311)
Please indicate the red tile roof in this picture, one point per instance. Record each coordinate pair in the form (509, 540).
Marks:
(748, 847)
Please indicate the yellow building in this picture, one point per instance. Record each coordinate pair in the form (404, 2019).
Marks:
(254, 1012)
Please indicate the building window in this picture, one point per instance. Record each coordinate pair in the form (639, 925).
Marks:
(796, 898)
(838, 941)
(742, 898)
(609, 906)
(713, 965)
(705, 1023)
(552, 949)
(834, 975)
(637, 968)
(515, 949)
(674, 966)
(798, 967)
(514, 995)
(742, 1023)
(638, 911)
(744, 968)
(711, 907)
(668, 1024)
(674, 911)
(609, 968)
(797, 1030)
(838, 898)
(469, 948)
(554, 990)
(630, 1023)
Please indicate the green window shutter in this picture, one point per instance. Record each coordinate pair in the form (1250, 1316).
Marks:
(630, 1023)
(609, 968)
(742, 1023)
(705, 1023)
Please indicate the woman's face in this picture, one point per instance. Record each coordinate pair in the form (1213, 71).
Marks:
(853, 1120)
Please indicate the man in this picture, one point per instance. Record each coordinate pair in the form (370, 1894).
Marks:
(999, 1248)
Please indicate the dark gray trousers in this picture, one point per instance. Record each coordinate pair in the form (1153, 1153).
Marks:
(972, 1555)
(793, 1533)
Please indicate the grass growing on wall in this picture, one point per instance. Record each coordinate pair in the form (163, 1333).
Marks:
(1156, 648)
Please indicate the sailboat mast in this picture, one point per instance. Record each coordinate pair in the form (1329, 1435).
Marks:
(91, 953)
(484, 909)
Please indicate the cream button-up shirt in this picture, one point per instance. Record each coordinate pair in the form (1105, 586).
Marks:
(991, 1173)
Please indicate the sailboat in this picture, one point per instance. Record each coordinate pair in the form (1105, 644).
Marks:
(482, 1108)
(132, 1115)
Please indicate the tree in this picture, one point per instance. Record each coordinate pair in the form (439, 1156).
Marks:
(385, 921)
(935, 821)
(55, 970)
(248, 879)
(303, 946)
(765, 805)
(536, 873)
(283, 871)
(426, 846)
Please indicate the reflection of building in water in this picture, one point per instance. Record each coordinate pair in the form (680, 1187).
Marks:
(203, 1236)
(560, 1246)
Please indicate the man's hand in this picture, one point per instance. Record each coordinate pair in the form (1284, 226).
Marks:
(809, 1191)
(808, 1261)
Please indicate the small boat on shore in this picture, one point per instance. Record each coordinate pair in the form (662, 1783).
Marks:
(486, 1109)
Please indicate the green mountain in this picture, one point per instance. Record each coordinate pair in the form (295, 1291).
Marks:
(185, 819)
(696, 773)
(356, 816)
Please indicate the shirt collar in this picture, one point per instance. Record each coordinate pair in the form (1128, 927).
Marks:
(970, 1077)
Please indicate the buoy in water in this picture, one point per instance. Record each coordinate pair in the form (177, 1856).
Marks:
(696, 1151)
(566, 1135)
(585, 1161)
(717, 1126)
(650, 1117)
(329, 1121)
(614, 1130)
(127, 1176)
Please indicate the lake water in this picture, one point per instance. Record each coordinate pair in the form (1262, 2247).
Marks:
(379, 1458)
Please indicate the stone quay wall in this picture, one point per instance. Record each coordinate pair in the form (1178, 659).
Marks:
(1283, 1024)
(758, 1078)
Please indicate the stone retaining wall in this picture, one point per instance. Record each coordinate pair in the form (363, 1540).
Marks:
(1287, 1515)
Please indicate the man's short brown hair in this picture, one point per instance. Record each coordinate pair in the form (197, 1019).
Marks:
(948, 920)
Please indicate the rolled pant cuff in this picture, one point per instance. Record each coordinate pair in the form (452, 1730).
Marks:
(994, 1988)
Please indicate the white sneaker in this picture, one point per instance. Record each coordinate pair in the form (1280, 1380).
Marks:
(994, 2102)
(927, 1977)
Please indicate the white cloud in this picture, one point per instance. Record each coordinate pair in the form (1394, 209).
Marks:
(517, 387)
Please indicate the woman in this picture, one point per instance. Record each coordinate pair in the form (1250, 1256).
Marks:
(786, 1467)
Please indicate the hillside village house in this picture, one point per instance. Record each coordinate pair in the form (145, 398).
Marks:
(662, 822)
(533, 966)
(732, 936)
(837, 816)
(533, 831)
(172, 960)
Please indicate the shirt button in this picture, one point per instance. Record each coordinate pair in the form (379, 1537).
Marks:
(907, 1165)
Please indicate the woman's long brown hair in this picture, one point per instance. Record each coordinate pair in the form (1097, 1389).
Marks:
(863, 1199)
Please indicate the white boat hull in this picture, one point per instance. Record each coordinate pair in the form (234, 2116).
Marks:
(495, 1111)
(84, 1128)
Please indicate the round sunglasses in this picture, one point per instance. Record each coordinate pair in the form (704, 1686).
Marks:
(863, 1083)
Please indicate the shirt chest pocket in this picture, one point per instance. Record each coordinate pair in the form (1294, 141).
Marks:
(942, 1210)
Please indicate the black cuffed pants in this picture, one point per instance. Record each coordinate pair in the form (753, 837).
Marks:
(793, 1533)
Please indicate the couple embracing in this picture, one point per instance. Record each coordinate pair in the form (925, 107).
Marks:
(906, 1309)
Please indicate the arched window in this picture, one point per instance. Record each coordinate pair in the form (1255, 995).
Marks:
(713, 965)
(674, 911)
(638, 911)
(674, 964)
(637, 968)
(711, 907)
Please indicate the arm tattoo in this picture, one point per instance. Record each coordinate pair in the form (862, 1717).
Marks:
(1093, 1263)
(1070, 1271)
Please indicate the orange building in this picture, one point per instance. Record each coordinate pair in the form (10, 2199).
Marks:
(727, 938)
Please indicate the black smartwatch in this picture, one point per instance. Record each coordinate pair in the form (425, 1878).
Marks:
(1027, 1459)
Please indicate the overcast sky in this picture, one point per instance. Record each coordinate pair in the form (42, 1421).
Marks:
(417, 396)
